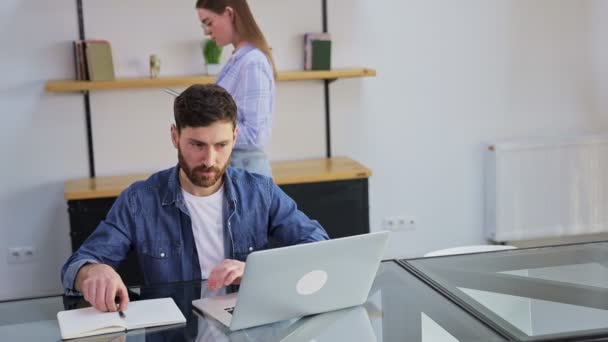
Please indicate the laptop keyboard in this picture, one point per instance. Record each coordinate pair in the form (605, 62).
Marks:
(229, 310)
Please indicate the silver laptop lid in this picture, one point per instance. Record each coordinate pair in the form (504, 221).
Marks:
(306, 279)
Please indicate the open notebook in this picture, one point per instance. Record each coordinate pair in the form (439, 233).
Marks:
(139, 314)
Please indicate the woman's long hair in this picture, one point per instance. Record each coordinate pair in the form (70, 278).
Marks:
(244, 23)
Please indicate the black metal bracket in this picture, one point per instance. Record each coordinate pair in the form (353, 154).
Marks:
(326, 90)
(86, 97)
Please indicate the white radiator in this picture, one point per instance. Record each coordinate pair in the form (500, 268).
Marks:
(539, 189)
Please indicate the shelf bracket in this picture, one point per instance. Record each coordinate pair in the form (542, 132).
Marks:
(326, 90)
(86, 97)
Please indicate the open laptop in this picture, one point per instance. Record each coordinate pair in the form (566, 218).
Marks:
(300, 280)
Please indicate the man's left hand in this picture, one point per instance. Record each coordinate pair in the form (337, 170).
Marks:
(226, 273)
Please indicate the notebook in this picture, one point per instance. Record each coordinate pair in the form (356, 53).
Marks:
(140, 314)
(311, 37)
(301, 280)
(321, 55)
(99, 60)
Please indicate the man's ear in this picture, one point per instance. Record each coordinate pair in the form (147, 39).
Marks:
(236, 134)
(174, 136)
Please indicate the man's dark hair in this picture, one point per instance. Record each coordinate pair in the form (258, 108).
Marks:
(201, 105)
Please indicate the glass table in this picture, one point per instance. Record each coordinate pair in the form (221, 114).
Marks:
(400, 307)
(532, 294)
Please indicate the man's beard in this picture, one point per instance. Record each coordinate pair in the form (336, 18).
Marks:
(198, 179)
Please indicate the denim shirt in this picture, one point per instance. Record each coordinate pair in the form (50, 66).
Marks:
(151, 218)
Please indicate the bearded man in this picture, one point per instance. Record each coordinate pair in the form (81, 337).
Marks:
(197, 220)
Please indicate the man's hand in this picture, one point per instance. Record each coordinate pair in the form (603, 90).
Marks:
(226, 273)
(100, 285)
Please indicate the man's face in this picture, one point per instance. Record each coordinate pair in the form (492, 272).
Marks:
(204, 152)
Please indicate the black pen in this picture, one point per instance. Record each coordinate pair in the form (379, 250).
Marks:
(120, 312)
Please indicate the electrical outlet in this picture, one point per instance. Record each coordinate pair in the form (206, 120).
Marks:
(29, 253)
(14, 255)
(406, 223)
(389, 223)
(21, 255)
(399, 223)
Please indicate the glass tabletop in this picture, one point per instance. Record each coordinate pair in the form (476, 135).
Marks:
(530, 294)
(400, 307)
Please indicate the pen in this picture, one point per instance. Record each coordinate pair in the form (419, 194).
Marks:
(120, 312)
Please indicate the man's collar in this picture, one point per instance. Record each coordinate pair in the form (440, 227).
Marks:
(172, 194)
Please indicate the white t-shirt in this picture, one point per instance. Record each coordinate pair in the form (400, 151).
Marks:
(207, 228)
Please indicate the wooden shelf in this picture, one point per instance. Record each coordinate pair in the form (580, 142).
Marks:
(58, 86)
(284, 172)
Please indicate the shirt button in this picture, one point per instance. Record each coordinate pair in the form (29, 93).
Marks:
(162, 255)
(250, 249)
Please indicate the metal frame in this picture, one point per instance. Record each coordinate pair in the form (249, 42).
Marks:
(326, 90)
(86, 96)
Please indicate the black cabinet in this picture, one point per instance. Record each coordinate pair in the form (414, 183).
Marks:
(341, 207)
(85, 216)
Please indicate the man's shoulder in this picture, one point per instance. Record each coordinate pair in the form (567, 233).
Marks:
(243, 181)
(249, 188)
(156, 181)
(242, 176)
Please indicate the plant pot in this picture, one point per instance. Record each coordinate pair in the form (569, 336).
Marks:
(213, 69)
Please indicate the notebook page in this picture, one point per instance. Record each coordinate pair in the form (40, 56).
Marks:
(88, 321)
(152, 312)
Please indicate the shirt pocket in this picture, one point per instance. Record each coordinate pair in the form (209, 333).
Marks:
(160, 249)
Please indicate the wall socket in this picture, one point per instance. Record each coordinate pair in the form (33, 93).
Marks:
(399, 223)
(21, 255)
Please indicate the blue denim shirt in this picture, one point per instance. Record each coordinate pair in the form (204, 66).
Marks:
(151, 218)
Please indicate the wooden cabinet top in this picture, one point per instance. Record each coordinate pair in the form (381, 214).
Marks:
(283, 172)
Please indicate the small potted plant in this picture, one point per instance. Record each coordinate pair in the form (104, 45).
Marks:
(212, 53)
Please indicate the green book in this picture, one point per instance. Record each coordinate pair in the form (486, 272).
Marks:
(321, 54)
(99, 61)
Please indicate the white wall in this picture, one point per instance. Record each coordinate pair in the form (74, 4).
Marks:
(451, 76)
(41, 143)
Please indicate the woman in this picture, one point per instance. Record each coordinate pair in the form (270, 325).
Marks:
(248, 76)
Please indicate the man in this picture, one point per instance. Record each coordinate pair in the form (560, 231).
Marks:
(197, 220)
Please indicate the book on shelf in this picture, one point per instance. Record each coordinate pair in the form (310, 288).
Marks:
(79, 61)
(93, 60)
(317, 51)
(321, 55)
(139, 314)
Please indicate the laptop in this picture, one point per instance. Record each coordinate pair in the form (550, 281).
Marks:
(300, 280)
